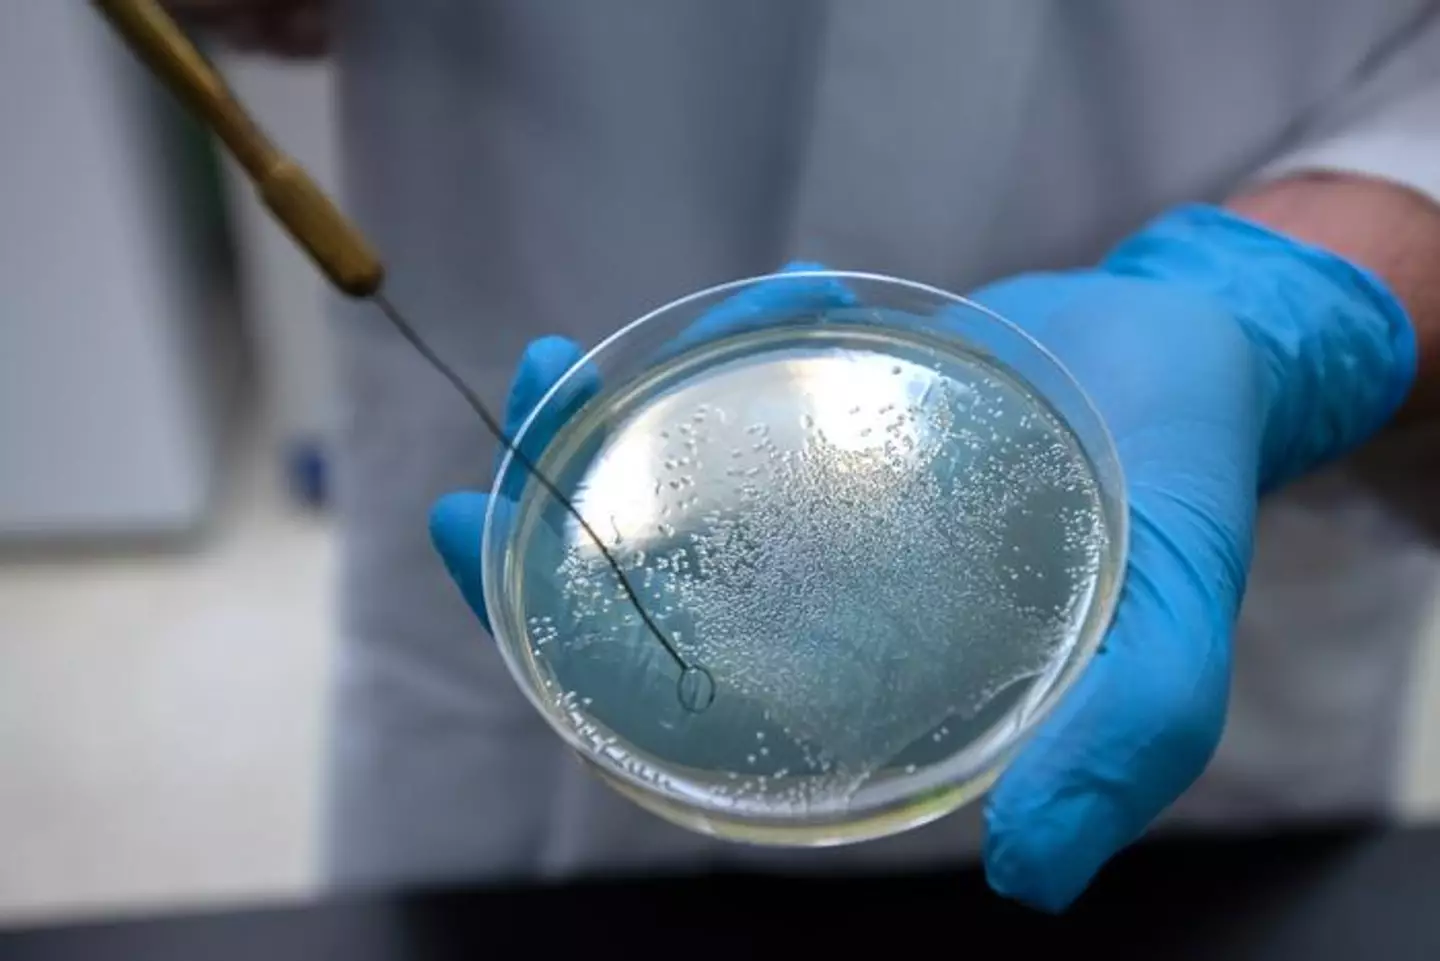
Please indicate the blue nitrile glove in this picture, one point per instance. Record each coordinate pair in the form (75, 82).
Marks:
(1225, 359)
(457, 521)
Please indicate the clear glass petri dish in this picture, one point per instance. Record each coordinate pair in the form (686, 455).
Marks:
(874, 530)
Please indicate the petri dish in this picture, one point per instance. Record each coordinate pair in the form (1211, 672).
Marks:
(878, 529)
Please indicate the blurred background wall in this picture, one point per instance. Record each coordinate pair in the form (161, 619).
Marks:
(165, 398)
(111, 407)
(284, 297)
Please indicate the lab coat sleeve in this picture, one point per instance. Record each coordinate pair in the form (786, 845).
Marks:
(1385, 125)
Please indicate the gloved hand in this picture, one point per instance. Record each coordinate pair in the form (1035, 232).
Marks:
(1225, 359)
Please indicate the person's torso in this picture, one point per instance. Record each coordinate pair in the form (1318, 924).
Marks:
(562, 167)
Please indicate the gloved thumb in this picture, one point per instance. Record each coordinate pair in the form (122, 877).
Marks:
(457, 525)
(1138, 727)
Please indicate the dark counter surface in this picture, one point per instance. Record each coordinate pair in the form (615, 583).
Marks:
(1368, 894)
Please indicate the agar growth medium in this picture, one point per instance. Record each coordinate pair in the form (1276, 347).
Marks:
(878, 548)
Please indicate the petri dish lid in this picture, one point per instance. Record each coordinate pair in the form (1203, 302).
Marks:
(874, 531)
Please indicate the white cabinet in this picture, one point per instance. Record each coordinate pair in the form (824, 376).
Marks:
(112, 394)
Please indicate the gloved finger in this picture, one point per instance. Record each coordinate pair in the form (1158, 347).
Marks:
(762, 304)
(543, 365)
(457, 524)
(1137, 728)
(457, 521)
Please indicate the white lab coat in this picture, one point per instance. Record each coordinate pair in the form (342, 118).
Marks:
(561, 166)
